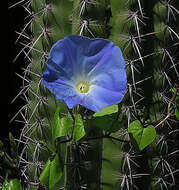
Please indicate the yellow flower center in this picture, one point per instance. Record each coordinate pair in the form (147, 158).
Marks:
(83, 87)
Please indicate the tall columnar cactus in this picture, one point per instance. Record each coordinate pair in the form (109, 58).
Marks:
(95, 159)
(49, 22)
(147, 33)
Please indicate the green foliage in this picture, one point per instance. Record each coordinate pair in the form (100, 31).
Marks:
(14, 149)
(107, 111)
(52, 172)
(108, 119)
(141, 136)
(9, 159)
(79, 131)
(62, 126)
(147, 33)
(177, 113)
(11, 185)
(109, 123)
(44, 176)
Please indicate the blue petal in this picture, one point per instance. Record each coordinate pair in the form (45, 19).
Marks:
(63, 91)
(78, 54)
(87, 46)
(100, 97)
(63, 55)
(95, 59)
(54, 71)
(110, 71)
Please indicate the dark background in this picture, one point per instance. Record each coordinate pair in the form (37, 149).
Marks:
(11, 83)
(12, 21)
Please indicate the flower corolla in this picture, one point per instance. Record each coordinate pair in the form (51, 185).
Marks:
(89, 72)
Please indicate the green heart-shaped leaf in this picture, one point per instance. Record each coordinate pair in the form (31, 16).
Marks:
(55, 172)
(51, 173)
(142, 136)
(61, 126)
(107, 111)
(109, 123)
(44, 176)
(79, 130)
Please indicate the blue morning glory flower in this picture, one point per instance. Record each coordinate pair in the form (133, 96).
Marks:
(89, 72)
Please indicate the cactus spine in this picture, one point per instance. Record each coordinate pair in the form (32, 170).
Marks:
(87, 22)
(51, 21)
(147, 33)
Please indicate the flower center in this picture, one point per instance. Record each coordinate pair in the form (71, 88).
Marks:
(83, 87)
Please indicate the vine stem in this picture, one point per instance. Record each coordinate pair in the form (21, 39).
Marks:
(169, 109)
(98, 137)
(35, 183)
(168, 115)
(106, 136)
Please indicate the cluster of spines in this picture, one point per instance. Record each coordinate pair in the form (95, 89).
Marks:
(45, 25)
(132, 20)
(147, 33)
(38, 35)
(90, 19)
